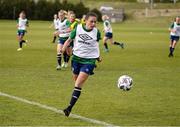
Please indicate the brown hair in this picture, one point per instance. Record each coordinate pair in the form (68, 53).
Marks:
(90, 14)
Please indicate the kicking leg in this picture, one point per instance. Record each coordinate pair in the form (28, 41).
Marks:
(80, 79)
(116, 43)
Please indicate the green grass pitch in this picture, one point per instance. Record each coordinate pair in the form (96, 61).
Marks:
(31, 74)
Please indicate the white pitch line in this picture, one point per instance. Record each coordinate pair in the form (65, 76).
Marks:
(56, 110)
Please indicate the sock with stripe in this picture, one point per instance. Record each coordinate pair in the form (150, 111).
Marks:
(106, 46)
(54, 39)
(59, 59)
(75, 95)
(21, 43)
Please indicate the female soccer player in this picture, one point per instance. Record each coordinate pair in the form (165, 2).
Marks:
(174, 35)
(83, 19)
(85, 53)
(109, 34)
(55, 24)
(63, 31)
(21, 25)
(73, 20)
(73, 24)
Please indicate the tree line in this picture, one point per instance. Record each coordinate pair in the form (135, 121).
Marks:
(40, 9)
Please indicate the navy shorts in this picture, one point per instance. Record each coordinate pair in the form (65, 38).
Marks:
(79, 67)
(174, 38)
(21, 32)
(62, 41)
(109, 35)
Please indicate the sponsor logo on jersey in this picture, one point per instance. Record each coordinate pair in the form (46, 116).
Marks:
(85, 38)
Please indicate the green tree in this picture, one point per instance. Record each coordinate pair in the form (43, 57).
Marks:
(98, 13)
(80, 10)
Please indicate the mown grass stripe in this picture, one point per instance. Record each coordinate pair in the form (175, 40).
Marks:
(55, 109)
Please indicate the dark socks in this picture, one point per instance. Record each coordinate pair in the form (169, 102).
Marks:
(116, 43)
(54, 39)
(21, 43)
(119, 44)
(171, 50)
(75, 95)
(66, 57)
(105, 45)
(59, 59)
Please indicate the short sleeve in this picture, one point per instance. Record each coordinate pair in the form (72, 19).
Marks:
(172, 25)
(73, 33)
(68, 23)
(98, 35)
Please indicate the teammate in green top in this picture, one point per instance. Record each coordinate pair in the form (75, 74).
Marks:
(85, 52)
(73, 21)
(83, 19)
(73, 24)
(21, 25)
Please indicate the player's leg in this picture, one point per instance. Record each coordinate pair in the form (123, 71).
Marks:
(54, 37)
(75, 67)
(69, 52)
(82, 77)
(115, 42)
(173, 43)
(75, 77)
(67, 56)
(59, 56)
(20, 40)
(81, 74)
(21, 34)
(105, 39)
(170, 46)
(173, 46)
(121, 44)
(76, 71)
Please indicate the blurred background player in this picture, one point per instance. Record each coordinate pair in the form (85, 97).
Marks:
(73, 20)
(21, 25)
(73, 24)
(109, 34)
(85, 52)
(55, 25)
(83, 19)
(174, 35)
(63, 32)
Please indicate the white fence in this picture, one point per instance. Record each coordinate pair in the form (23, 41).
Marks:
(116, 15)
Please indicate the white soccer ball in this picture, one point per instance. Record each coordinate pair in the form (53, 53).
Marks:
(125, 82)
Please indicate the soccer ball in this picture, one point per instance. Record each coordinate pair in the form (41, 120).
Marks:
(125, 82)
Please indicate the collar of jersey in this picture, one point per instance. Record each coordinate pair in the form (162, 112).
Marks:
(63, 20)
